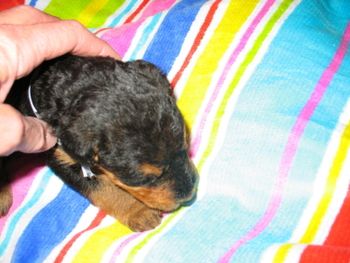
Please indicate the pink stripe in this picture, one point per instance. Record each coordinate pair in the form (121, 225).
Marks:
(22, 180)
(245, 38)
(120, 38)
(123, 245)
(292, 145)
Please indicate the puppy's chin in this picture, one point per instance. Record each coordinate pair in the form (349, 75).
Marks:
(163, 208)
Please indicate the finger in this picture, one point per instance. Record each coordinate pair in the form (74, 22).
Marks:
(25, 15)
(25, 134)
(45, 41)
(22, 48)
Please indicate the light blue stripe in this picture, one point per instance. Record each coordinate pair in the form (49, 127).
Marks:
(145, 36)
(122, 15)
(16, 218)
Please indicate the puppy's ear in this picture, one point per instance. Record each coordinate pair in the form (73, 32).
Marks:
(81, 129)
(152, 74)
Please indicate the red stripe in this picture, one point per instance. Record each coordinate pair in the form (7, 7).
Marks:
(326, 254)
(100, 215)
(197, 41)
(10, 3)
(340, 232)
(137, 11)
(338, 240)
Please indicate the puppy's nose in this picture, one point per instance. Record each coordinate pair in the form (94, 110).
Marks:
(192, 196)
(189, 200)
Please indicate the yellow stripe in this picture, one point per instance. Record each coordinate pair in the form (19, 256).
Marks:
(95, 247)
(197, 85)
(90, 10)
(326, 199)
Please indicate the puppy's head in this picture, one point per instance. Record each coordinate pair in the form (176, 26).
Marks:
(121, 120)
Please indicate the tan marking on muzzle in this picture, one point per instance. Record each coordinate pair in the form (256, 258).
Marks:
(159, 197)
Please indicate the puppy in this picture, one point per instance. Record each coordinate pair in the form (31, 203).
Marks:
(122, 139)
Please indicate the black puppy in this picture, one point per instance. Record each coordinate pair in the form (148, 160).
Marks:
(120, 121)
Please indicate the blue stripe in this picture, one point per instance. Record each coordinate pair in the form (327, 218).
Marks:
(145, 36)
(167, 43)
(17, 217)
(50, 226)
(33, 2)
(125, 12)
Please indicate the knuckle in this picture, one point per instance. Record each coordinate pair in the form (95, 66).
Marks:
(74, 24)
(42, 144)
(12, 129)
(18, 129)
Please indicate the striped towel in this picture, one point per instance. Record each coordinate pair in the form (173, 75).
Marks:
(265, 87)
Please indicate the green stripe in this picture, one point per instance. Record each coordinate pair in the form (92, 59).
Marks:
(101, 16)
(66, 9)
(238, 76)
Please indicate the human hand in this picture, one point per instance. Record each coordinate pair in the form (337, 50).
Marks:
(27, 38)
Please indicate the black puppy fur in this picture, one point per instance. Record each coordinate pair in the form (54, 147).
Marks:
(119, 119)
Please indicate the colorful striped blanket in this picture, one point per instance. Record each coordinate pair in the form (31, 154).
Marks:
(265, 87)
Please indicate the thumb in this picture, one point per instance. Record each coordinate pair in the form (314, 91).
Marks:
(20, 133)
(37, 136)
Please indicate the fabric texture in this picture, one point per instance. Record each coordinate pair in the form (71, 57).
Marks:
(264, 87)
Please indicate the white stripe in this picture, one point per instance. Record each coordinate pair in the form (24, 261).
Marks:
(40, 4)
(189, 42)
(293, 257)
(84, 238)
(269, 253)
(295, 253)
(84, 222)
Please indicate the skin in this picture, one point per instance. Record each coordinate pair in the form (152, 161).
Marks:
(27, 38)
